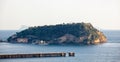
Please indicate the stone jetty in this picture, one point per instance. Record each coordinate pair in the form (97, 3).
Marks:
(34, 55)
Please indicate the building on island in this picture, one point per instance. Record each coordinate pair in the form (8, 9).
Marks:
(22, 40)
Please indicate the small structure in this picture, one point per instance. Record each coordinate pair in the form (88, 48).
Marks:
(22, 40)
(40, 42)
(71, 54)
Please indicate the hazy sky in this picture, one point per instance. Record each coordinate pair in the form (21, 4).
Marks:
(102, 14)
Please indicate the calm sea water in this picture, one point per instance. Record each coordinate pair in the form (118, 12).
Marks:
(4, 34)
(107, 52)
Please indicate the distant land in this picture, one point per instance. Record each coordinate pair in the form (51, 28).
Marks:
(60, 34)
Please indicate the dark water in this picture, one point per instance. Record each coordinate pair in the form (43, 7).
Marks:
(107, 52)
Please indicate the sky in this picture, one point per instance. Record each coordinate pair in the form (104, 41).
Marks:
(102, 14)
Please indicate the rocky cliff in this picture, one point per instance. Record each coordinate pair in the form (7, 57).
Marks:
(75, 33)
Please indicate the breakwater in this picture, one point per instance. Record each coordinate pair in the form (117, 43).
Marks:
(5, 56)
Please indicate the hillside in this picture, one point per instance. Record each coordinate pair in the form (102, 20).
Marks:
(75, 33)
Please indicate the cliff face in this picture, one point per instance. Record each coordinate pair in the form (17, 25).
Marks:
(75, 33)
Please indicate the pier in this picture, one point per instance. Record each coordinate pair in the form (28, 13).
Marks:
(34, 55)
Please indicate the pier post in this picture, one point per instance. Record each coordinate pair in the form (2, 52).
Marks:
(71, 54)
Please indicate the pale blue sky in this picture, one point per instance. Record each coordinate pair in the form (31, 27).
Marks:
(103, 14)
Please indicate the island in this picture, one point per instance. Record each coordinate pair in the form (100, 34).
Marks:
(60, 34)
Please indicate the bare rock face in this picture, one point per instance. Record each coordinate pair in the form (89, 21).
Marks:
(100, 39)
(68, 38)
(75, 33)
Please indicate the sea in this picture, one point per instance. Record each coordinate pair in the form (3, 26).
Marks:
(106, 52)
